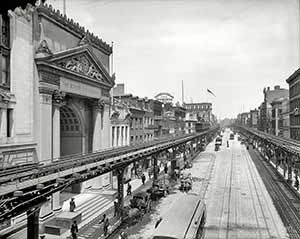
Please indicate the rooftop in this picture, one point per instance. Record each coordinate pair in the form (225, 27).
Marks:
(72, 26)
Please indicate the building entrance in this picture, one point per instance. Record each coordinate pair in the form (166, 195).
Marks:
(71, 133)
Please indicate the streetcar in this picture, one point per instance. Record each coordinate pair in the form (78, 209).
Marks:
(184, 220)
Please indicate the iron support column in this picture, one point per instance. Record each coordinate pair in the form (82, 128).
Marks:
(120, 195)
(155, 168)
(33, 223)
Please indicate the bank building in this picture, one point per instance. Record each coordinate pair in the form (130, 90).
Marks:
(55, 93)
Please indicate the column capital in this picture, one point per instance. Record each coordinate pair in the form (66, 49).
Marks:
(59, 98)
(99, 105)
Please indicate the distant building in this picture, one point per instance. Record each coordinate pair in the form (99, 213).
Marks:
(190, 122)
(284, 129)
(157, 108)
(173, 119)
(142, 115)
(266, 108)
(254, 118)
(294, 104)
(164, 97)
(202, 110)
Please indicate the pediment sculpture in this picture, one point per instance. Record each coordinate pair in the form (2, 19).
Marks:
(81, 64)
(115, 115)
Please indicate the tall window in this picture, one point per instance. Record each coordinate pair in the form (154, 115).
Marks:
(9, 121)
(4, 52)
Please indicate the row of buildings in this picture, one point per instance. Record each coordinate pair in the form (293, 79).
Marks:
(278, 114)
(149, 119)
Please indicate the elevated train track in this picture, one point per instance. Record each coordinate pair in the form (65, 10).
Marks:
(24, 188)
(288, 145)
(285, 198)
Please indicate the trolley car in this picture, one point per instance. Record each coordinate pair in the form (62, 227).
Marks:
(185, 219)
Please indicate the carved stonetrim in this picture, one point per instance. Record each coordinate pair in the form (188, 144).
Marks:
(72, 26)
(115, 115)
(81, 64)
(44, 48)
(99, 105)
(25, 13)
(85, 40)
(59, 98)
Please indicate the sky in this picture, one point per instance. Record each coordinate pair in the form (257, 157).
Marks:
(235, 48)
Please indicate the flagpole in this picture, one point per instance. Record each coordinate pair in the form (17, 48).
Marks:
(64, 6)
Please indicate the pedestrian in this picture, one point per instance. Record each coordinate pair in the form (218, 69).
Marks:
(116, 206)
(149, 203)
(105, 222)
(74, 230)
(143, 178)
(149, 172)
(128, 189)
(297, 184)
(166, 168)
(72, 205)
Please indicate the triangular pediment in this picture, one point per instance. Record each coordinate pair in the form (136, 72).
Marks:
(80, 60)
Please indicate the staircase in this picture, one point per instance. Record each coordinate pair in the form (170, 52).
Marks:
(92, 208)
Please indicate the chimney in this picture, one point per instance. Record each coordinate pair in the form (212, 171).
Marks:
(268, 88)
(276, 87)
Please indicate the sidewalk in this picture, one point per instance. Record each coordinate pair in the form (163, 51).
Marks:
(94, 229)
(280, 170)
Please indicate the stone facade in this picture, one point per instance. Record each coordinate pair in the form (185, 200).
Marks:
(56, 98)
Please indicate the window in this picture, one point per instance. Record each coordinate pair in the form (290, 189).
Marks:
(5, 51)
(9, 122)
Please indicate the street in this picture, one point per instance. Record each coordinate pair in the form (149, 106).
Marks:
(238, 204)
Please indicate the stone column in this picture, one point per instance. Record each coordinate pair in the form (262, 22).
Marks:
(98, 110)
(128, 135)
(58, 100)
(155, 168)
(33, 223)
(3, 129)
(115, 137)
(56, 202)
(124, 135)
(45, 149)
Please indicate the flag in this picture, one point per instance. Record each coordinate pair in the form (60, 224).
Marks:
(210, 92)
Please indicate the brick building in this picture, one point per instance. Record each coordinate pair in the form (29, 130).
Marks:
(294, 104)
(142, 115)
(254, 118)
(266, 108)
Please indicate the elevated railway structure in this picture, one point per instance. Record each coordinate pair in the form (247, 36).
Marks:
(26, 188)
(282, 153)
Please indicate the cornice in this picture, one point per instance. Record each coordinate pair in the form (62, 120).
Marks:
(70, 25)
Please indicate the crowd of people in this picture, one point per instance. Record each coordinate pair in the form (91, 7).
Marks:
(117, 211)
